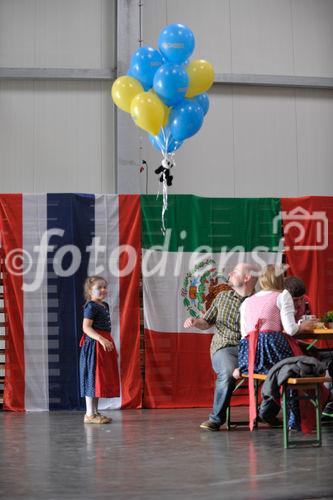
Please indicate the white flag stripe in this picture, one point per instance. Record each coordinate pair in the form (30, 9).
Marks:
(162, 294)
(107, 229)
(35, 307)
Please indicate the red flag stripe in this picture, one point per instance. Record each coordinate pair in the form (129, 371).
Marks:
(11, 233)
(314, 266)
(178, 372)
(129, 303)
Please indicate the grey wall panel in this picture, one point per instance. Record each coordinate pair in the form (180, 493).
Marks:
(108, 34)
(67, 33)
(17, 33)
(61, 33)
(315, 144)
(108, 141)
(265, 142)
(154, 18)
(210, 23)
(313, 37)
(68, 137)
(55, 136)
(17, 132)
(261, 36)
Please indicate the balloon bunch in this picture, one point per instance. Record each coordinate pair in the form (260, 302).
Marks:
(165, 93)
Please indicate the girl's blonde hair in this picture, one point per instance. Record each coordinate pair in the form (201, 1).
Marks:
(89, 283)
(271, 278)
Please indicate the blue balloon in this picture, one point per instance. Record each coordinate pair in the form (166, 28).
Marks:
(144, 64)
(164, 142)
(171, 83)
(176, 42)
(185, 119)
(203, 101)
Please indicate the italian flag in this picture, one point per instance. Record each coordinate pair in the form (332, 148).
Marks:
(182, 271)
(50, 243)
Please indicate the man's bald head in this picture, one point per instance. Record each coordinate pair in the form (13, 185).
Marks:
(243, 277)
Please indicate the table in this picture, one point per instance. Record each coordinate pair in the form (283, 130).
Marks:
(317, 334)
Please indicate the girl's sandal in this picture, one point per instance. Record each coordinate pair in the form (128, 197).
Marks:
(96, 419)
(103, 417)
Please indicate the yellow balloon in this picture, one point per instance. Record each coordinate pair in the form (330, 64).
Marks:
(201, 75)
(124, 89)
(147, 112)
(165, 108)
(166, 115)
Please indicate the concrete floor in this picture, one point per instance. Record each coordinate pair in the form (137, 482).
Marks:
(155, 454)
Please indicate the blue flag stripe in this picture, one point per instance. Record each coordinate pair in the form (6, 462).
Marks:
(75, 215)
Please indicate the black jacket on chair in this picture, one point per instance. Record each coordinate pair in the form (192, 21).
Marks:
(296, 366)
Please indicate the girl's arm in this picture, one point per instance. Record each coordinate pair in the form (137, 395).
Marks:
(242, 320)
(286, 305)
(88, 330)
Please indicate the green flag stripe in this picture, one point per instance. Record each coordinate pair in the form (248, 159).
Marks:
(214, 222)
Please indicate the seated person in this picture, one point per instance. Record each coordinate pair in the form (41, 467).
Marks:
(264, 317)
(297, 290)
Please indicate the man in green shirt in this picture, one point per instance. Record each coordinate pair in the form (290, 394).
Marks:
(224, 314)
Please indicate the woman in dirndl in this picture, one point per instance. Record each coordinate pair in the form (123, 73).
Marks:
(267, 327)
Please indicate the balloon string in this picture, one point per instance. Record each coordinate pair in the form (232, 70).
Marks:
(164, 147)
(169, 159)
(165, 202)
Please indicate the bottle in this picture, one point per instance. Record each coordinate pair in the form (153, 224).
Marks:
(307, 312)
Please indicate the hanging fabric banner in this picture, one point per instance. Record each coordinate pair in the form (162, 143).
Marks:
(182, 271)
(51, 243)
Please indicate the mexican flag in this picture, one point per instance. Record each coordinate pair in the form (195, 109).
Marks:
(50, 243)
(182, 271)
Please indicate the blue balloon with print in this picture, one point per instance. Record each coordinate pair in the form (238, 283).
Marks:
(176, 42)
(171, 83)
(203, 101)
(144, 64)
(164, 141)
(185, 119)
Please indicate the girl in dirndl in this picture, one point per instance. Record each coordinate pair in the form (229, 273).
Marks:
(267, 328)
(99, 376)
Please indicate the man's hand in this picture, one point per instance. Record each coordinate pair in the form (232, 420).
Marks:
(189, 322)
(200, 323)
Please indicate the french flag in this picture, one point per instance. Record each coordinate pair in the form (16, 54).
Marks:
(50, 243)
